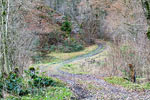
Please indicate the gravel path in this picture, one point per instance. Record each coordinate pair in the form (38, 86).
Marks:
(107, 91)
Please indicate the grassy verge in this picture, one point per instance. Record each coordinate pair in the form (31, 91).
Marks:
(51, 93)
(64, 56)
(34, 86)
(74, 69)
(55, 57)
(127, 84)
(84, 67)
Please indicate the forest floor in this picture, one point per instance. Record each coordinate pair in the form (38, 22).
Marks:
(89, 86)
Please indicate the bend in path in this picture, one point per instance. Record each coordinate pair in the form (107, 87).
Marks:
(108, 91)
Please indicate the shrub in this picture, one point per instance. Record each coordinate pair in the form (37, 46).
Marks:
(148, 33)
(53, 47)
(1, 87)
(66, 26)
(67, 46)
(15, 85)
(38, 81)
(32, 87)
(71, 46)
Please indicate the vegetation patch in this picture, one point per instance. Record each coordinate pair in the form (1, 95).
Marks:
(55, 57)
(65, 56)
(73, 68)
(46, 60)
(127, 84)
(90, 86)
(66, 26)
(92, 65)
(52, 93)
(33, 86)
(69, 45)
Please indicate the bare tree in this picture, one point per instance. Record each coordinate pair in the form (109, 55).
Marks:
(5, 66)
(16, 41)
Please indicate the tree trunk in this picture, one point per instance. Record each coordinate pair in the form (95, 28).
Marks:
(4, 37)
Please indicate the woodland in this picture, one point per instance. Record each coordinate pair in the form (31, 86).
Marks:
(74, 49)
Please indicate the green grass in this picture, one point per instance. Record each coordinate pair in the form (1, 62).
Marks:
(58, 92)
(54, 90)
(55, 57)
(127, 84)
(64, 56)
(52, 93)
(47, 59)
(76, 68)
(73, 68)
(93, 87)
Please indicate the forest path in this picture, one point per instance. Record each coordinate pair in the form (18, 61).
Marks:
(102, 90)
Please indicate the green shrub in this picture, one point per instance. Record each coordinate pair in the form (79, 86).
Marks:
(15, 85)
(148, 33)
(38, 81)
(72, 46)
(33, 87)
(53, 93)
(66, 26)
(1, 87)
(53, 47)
(43, 82)
(147, 6)
(67, 46)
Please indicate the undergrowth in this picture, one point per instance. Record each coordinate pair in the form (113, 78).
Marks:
(33, 86)
(66, 26)
(56, 56)
(127, 84)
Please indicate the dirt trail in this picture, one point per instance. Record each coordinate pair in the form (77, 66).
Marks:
(107, 91)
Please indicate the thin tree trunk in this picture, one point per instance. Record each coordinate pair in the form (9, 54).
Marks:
(4, 36)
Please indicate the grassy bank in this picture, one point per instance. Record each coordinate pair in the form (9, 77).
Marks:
(119, 81)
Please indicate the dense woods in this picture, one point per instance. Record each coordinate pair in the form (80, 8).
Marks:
(47, 47)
